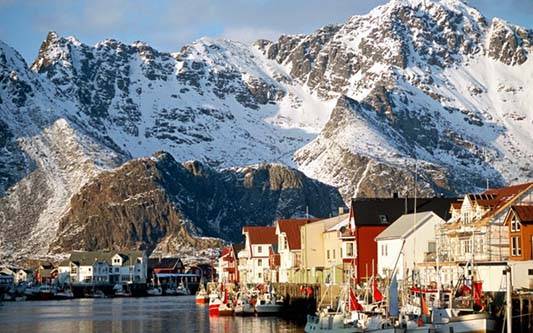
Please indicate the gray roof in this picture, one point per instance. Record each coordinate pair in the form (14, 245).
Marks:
(89, 258)
(405, 225)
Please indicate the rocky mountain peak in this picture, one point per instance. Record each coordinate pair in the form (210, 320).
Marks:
(509, 43)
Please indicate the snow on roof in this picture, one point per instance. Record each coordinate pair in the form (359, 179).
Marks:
(344, 221)
(405, 225)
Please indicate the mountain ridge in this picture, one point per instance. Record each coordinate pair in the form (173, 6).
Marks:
(430, 86)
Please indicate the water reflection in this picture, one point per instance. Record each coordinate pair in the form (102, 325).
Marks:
(128, 315)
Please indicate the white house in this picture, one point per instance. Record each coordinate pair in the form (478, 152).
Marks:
(23, 276)
(254, 258)
(105, 267)
(289, 247)
(407, 241)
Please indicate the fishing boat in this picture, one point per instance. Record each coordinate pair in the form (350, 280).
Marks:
(268, 304)
(244, 306)
(64, 294)
(214, 304)
(170, 291)
(448, 320)
(95, 293)
(202, 297)
(225, 309)
(42, 292)
(120, 291)
(155, 291)
(181, 290)
(379, 324)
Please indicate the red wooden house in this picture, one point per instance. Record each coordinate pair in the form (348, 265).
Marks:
(369, 217)
(227, 269)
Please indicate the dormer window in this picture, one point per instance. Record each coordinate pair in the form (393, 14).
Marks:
(515, 224)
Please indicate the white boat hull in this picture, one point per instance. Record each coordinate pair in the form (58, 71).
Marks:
(268, 309)
(467, 325)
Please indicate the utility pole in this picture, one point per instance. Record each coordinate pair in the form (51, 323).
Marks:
(509, 300)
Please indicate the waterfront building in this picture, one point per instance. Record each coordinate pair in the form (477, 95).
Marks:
(274, 263)
(227, 269)
(23, 276)
(475, 239)
(254, 264)
(407, 241)
(288, 257)
(164, 270)
(519, 221)
(46, 273)
(105, 267)
(371, 216)
(315, 237)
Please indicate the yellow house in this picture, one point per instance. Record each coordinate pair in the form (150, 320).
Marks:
(321, 251)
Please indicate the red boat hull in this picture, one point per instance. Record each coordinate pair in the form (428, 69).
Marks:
(214, 309)
(201, 300)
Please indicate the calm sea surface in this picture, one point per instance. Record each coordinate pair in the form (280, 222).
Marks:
(128, 315)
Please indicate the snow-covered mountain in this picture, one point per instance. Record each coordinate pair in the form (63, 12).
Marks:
(426, 85)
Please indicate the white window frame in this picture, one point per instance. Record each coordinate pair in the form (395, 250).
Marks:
(516, 246)
(515, 224)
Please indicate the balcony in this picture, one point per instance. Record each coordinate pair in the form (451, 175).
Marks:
(229, 269)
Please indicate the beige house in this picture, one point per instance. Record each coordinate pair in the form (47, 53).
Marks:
(319, 239)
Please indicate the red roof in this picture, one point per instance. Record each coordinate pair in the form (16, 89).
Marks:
(457, 204)
(291, 228)
(261, 235)
(525, 213)
(225, 251)
(496, 198)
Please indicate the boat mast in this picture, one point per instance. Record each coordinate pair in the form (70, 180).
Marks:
(437, 261)
(414, 222)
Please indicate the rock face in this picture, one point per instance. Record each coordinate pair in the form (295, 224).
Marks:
(149, 200)
(427, 87)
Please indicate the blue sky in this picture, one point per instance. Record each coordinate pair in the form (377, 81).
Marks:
(168, 25)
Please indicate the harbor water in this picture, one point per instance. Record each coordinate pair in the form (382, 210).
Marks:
(128, 315)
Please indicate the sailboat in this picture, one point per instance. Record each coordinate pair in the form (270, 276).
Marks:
(202, 297)
(347, 318)
(244, 306)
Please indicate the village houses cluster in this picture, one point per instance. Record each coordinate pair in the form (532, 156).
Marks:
(412, 237)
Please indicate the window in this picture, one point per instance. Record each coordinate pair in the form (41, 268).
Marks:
(116, 269)
(139, 260)
(285, 244)
(516, 248)
(384, 249)
(333, 253)
(259, 275)
(530, 272)
(466, 246)
(349, 249)
(327, 254)
(432, 247)
(259, 262)
(515, 224)
(259, 249)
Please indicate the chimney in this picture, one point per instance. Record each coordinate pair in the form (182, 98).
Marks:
(341, 210)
